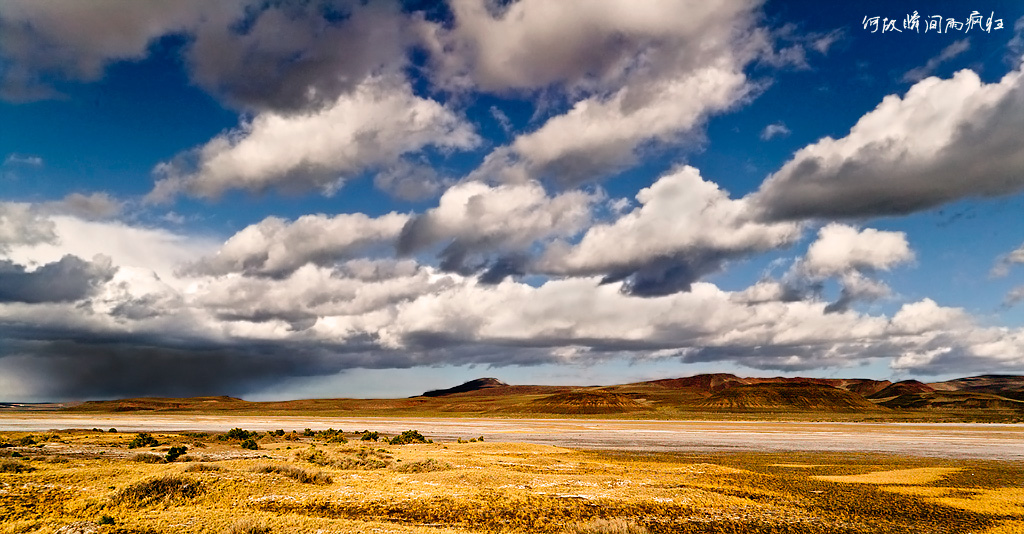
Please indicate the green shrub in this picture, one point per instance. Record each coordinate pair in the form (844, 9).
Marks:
(239, 434)
(25, 441)
(105, 520)
(370, 436)
(407, 437)
(250, 444)
(112, 431)
(142, 439)
(175, 452)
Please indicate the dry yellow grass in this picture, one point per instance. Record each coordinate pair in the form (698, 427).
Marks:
(448, 488)
(921, 475)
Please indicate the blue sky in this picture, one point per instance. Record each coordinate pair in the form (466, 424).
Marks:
(335, 198)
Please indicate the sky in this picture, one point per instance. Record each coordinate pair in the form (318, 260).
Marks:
(330, 198)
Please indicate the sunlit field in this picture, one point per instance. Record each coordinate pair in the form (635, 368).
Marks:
(328, 481)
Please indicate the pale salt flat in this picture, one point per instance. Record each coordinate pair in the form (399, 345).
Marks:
(946, 440)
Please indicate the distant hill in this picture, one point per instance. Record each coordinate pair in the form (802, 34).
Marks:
(594, 401)
(905, 387)
(721, 395)
(158, 404)
(1009, 386)
(804, 396)
(472, 385)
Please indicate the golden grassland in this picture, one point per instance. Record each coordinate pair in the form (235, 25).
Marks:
(328, 482)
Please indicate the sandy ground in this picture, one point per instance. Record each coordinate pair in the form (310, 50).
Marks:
(947, 440)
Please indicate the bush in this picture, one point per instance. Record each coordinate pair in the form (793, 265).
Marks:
(165, 488)
(239, 434)
(14, 466)
(407, 437)
(370, 436)
(175, 452)
(142, 439)
(112, 431)
(25, 441)
(296, 473)
(250, 444)
(105, 520)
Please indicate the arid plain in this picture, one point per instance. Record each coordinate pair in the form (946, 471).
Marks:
(705, 454)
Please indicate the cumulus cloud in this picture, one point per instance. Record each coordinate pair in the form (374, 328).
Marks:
(850, 255)
(69, 279)
(840, 249)
(1003, 263)
(410, 180)
(23, 224)
(942, 141)
(635, 75)
(275, 247)
(473, 218)
(368, 128)
(684, 228)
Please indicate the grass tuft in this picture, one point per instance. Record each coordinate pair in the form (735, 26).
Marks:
(165, 488)
(424, 466)
(200, 468)
(15, 466)
(147, 458)
(607, 526)
(248, 526)
(296, 473)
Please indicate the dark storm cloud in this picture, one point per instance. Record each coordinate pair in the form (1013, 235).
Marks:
(667, 275)
(69, 279)
(281, 55)
(290, 56)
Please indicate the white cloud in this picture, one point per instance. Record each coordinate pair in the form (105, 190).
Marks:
(684, 228)
(840, 249)
(634, 74)
(92, 206)
(954, 49)
(22, 159)
(23, 224)
(1003, 263)
(275, 247)
(1014, 297)
(369, 128)
(476, 218)
(151, 249)
(943, 141)
(775, 129)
